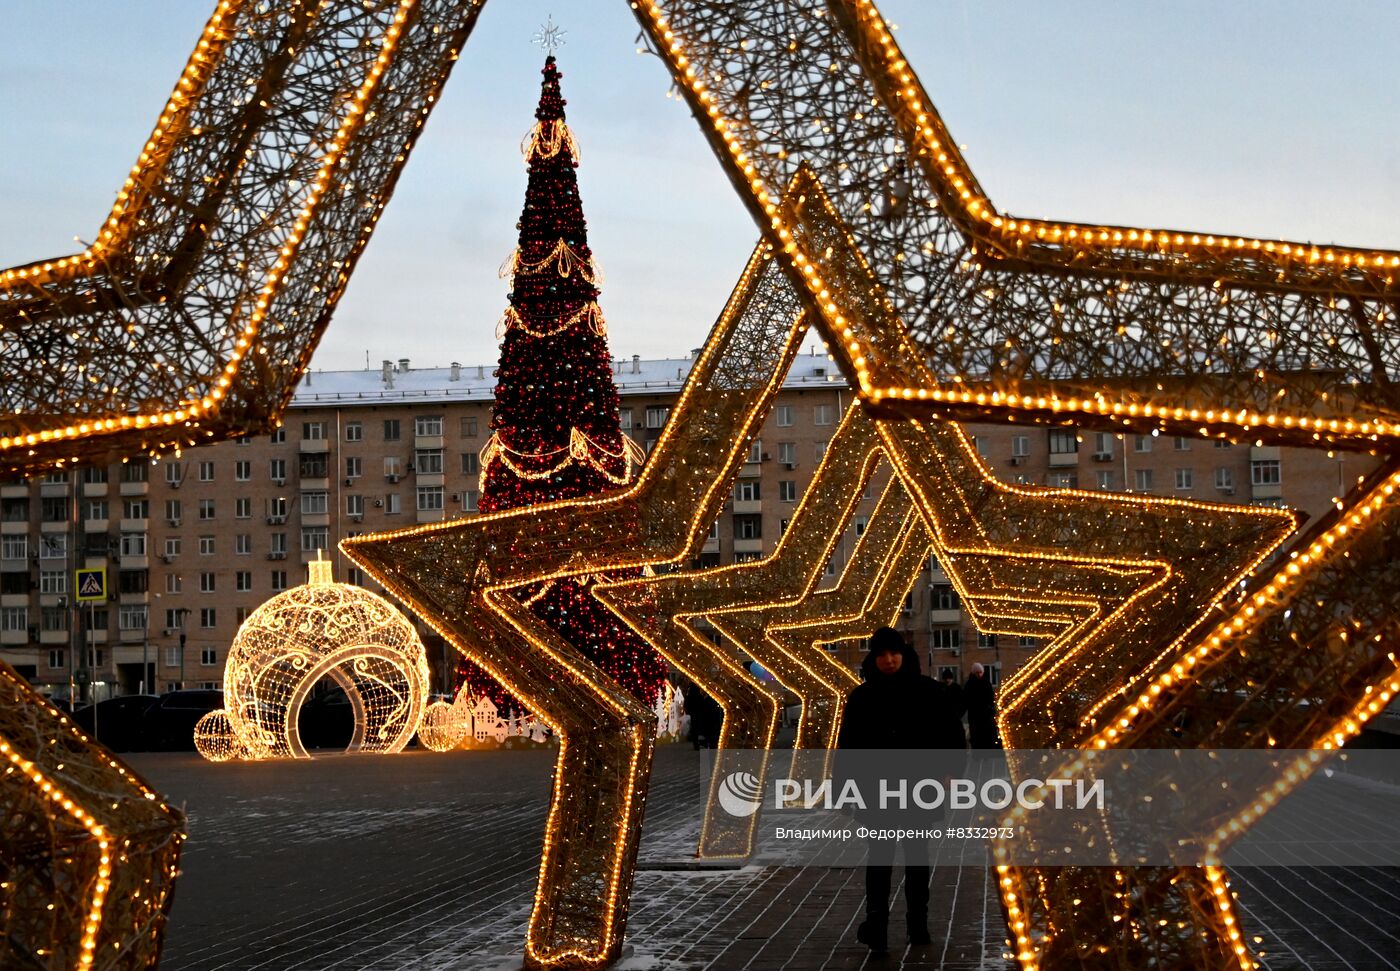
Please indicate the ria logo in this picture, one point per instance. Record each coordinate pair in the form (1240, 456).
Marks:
(740, 794)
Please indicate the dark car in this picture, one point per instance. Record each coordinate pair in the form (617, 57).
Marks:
(327, 720)
(120, 722)
(169, 724)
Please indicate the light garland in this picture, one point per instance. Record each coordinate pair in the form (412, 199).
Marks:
(564, 259)
(581, 449)
(546, 139)
(590, 314)
(319, 630)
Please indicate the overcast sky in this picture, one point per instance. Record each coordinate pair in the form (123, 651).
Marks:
(1273, 118)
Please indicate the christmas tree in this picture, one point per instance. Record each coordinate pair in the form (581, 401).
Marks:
(555, 430)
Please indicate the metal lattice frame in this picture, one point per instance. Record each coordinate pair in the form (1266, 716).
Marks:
(90, 852)
(1092, 325)
(459, 577)
(197, 307)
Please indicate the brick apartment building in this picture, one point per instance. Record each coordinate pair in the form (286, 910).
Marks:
(192, 544)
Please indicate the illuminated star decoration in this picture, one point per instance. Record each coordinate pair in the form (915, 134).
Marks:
(460, 577)
(550, 37)
(1092, 325)
(195, 310)
(90, 851)
(661, 609)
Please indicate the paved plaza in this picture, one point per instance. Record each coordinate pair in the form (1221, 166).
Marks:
(427, 861)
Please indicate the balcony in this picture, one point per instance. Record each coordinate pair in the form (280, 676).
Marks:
(314, 446)
(19, 491)
(141, 562)
(18, 528)
(1062, 459)
(14, 600)
(134, 488)
(132, 525)
(315, 519)
(53, 489)
(53, 637)
(430, 479)
(98, 636)
(315, 484)
(428, 441)
(751, 470)
(101, 525)
(14, 637)
(95, 489)
(748, 506)
(940, 617)
(143, 597)
(431, 515)
(753, 545)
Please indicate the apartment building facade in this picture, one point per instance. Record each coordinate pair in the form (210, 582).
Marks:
(194, 543)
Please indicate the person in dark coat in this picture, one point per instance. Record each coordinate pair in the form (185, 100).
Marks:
(981, 709)
(897, 707)
(706, 718)
(953, 692)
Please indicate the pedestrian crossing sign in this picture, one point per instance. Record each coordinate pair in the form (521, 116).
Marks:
(91, 584)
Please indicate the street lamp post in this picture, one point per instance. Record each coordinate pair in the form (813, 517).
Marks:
(180, 614)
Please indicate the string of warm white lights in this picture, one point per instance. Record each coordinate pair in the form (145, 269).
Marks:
(564, 260)
(581, 448)
(590, 314)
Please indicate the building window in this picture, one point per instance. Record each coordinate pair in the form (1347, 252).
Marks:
(243, 581)
(133, 544)
(391, 429)
(242, 470)
(240, 614)
(206, 546)
(208, 617)
(747, 491)
(208, 656)
(313, 431)
(429, 498)
(53, 546)
(1225, 479)
(428, 461)
(314, 538)
(1064, 480)
(174, 473)
(131, 617)
(172, 657)
(278, 437)
(393, 504)
(314, 465)
(427, 426)
(471, 463)
(96, 509)
(787, 491)
(14, 547)
(860, 523)
(1181, 443)
(1184, 479)
(243, 508)
(1103, 445)
(279, 580)
(174, 511)
(986, 642)
(172, 546)
(942, 596)
(132, 472)
(1027, 642)
(1266, 472)
(756, 451)
(748, 527)
(1103, 478)
(945, 638)
(656, 416)
(53, 618)
(206, 471)
(1142, 443)
(1221, 443)
(469, 425)
(17, 619)
(823, 414)
(58, 658)
(1143, 480)
(277, 470)
(469, 501)
(354, 467)
(354, 505)
(819, 449)
(207, 583)
(173, 584)
(354, 431)
(1063, 441)
(277, 509)
(784, 417)
(314, 503)
(787, 453)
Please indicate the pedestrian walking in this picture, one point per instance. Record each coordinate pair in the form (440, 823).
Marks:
(897, 707)
(980, 698)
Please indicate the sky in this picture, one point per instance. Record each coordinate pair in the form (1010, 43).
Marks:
(1253, 117)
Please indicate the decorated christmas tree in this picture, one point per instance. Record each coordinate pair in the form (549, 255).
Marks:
(554, 424)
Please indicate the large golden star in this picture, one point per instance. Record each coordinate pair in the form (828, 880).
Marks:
(459, 576)
(196, 308)
(1095, 325)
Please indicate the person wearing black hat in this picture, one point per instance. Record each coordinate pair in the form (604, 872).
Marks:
(897, 707)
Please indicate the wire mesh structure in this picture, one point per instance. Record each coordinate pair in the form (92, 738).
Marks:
(90, 852)
(459, 576)
(1096, 326)
(196, 308)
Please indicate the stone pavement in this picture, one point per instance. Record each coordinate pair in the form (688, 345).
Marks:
(427, 861)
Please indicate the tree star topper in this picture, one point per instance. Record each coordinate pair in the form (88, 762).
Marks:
(550, 36)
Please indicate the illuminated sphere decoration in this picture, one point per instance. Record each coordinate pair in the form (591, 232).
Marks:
(321, 629)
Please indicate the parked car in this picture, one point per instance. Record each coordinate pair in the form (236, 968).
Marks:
(120, 722)
(169, 724)
(327, 720)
